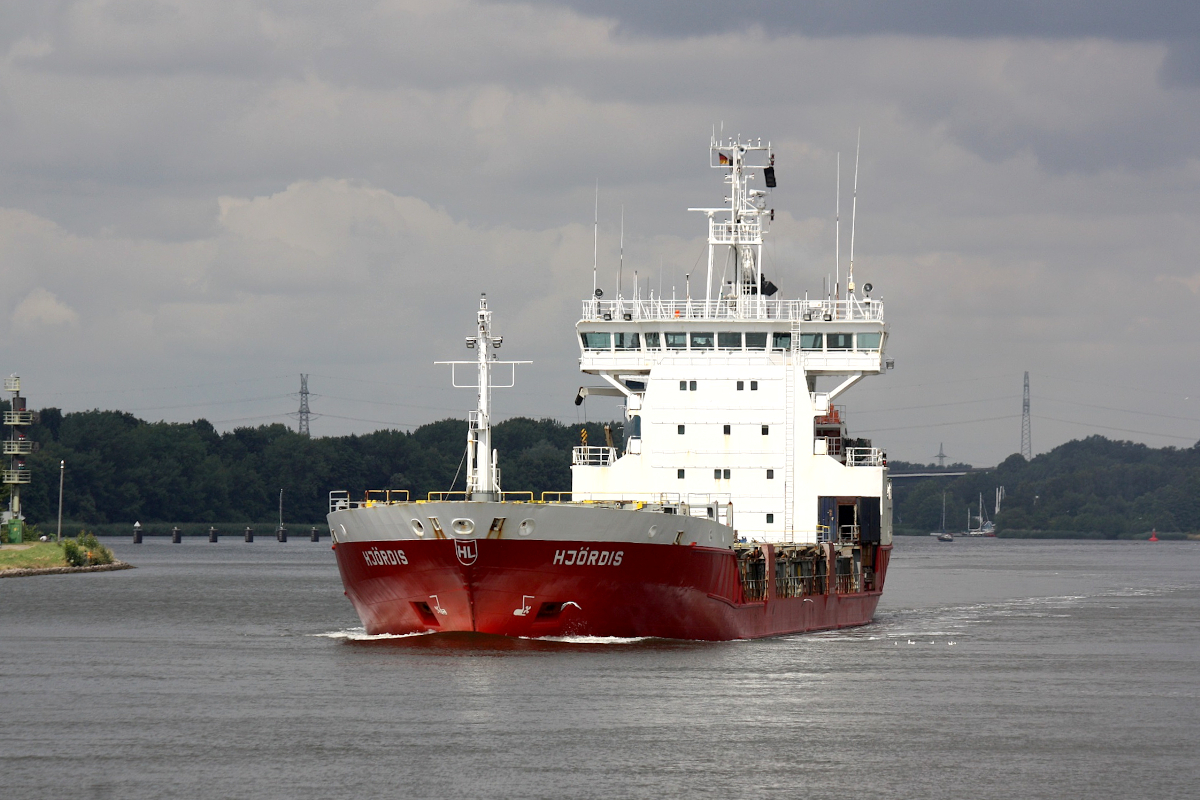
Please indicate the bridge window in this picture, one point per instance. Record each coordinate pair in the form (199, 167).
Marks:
(596, 341)
(727, 428)
(770, 474)
(841, 341)
(741, 385)
(766, 430)
(812, 341)
(677, 341)
(754, 386)
(869, 341)
(770, 519)
(692, 385)
(628, 341)
(756, 341)
(679, 474)
(781, 341)
(729, 341)
(717, 474)
(702, 341)
(726, 474)
(681, 429)
(652, 341)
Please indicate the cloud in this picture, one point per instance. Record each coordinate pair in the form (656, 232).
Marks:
(41, 310)
(239, 191)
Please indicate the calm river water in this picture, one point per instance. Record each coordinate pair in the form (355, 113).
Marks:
(995, 669)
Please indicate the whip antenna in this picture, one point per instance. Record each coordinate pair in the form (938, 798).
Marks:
(837, 231)
(596, 239)
(854, 213)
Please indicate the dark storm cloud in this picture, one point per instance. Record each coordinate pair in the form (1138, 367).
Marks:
(1175, 23)
(1162, 20)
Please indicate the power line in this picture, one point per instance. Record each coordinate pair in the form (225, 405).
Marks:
(1119, 430)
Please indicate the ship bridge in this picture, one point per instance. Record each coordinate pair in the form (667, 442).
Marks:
(720, 393)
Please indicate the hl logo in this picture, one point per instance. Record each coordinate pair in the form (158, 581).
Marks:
(466, 551)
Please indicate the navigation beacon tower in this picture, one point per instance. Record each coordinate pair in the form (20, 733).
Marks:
(17, 446)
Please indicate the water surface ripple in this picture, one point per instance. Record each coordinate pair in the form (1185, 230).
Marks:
(995, 669)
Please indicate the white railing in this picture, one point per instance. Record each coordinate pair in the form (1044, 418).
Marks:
(864, 457)
(593, 456)
(17, 447)
(17, 476)
(864, 310)
(18, 417)
(734, 232)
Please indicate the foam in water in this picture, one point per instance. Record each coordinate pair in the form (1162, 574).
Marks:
(361, 635)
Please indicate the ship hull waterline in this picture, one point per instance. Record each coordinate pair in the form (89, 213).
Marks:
(543, 589)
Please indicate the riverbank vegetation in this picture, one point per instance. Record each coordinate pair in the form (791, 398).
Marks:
(121, 469)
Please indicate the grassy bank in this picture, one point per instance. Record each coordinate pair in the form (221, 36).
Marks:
(37, 556)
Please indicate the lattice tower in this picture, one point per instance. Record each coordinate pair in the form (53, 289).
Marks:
(303, 413)
(1026, 443)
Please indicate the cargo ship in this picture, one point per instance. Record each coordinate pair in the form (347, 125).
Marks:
(733, 504)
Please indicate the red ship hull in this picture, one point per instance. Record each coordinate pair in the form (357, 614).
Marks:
(605, 589)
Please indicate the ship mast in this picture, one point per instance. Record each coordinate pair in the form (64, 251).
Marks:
(483, 474)
(742, 231)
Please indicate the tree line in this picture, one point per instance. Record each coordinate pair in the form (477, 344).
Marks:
(1086, 487)
(121, 468)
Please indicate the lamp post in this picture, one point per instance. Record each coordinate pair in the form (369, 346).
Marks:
(62, 468)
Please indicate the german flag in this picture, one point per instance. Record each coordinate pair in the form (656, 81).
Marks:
(723, 159)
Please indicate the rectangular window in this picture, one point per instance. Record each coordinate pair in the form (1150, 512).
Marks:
(781, 341)
(596, 341)
(770, 519)
(681, 428)
(770, 474)
(840, 341)
(727, 427)
(702, 341)
(692, 385)
(741, 385)
(756, 341)
(717, 474)
(679, 474)
(754, 386)
(766, 430)
(812, 341)
(726, 474)
(629, 341)
(677, 341)
(729, 341)
(652, 341)
(683, 386)
(869, 341)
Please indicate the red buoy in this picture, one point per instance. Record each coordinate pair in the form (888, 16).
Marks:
(1153, 535)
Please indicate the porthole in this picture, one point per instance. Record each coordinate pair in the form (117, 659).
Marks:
(462, 527)
(417, 527)
(653, 531)
(526, 527)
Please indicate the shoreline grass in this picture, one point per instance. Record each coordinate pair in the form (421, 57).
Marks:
(41, 555)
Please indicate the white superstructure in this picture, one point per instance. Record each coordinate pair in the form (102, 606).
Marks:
(720, 391)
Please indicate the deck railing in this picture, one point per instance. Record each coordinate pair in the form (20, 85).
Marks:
(856, 310)
(593, 456)
(864, 457)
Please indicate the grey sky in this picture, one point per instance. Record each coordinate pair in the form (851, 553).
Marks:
(198, 201)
